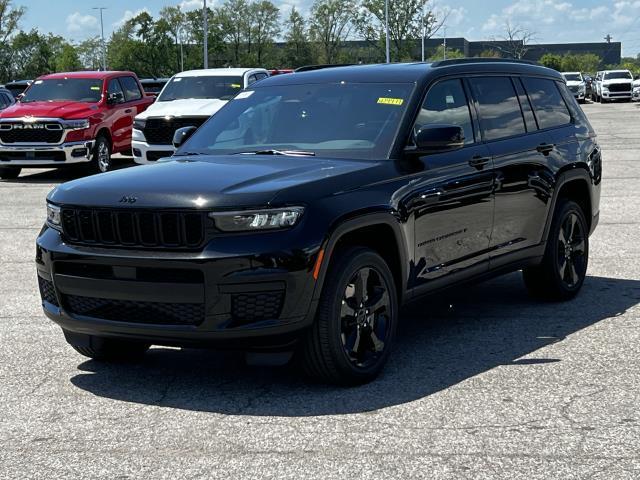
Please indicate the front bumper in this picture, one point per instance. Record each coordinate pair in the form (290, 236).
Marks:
(224, 284)
(616, 95)
(44, 155)
(145, 154)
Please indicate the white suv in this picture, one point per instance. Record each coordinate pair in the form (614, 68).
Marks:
(189, 98)
(614, 85)
(577, 86)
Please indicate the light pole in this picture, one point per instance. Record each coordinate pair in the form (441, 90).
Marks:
(386, 27)
(104, 55)
(424, 28)
(205, 21)
(444, 54)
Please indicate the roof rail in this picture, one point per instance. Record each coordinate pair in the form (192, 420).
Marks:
(308, 68)
(463, 61)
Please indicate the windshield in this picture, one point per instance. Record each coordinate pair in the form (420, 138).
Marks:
(223, 88)
(338, 120)
(618, 75)
(572, 77)
(64, 89)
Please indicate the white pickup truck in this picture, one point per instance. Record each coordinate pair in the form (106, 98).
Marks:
(188, 99)
(576, 84)
(614, 85)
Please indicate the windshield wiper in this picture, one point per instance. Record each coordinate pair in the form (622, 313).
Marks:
(292, 153)
(186, 154)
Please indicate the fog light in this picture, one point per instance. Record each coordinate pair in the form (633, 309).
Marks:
(137, 152)
(79, 152)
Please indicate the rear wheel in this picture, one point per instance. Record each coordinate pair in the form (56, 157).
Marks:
(109, 349)
(351, 338)
(9, 173)
(564, 266)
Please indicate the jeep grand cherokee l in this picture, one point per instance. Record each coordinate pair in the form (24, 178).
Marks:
(77, 118)
(312, 206)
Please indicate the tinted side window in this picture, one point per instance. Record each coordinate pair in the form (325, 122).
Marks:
(498, 107)
(548, 105)
(131, 89)
(114, 87)
(3, 101)
(251, 80)
(446, 103)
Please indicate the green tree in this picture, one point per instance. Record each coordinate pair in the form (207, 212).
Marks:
(406, 21)
(90, 53)
(490, 53)
(234, 16)
(297, 52)
(439, 54)
(67, 60)
(551, 60)
(175, 21)
(264, 27)
(10, 17)
(330, 25)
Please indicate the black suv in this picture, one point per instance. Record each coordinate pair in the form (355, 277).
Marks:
(312, 206)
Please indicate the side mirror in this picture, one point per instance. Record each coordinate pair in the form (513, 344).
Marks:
(114, 98)
(437, 139)
(181, 135)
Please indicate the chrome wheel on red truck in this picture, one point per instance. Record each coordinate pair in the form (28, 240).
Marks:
(101, 159)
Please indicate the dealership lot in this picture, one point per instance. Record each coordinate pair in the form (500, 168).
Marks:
(483, 383)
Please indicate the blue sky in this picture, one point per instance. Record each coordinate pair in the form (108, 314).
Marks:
(552, 20)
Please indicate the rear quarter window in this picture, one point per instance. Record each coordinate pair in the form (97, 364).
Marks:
(548, 105)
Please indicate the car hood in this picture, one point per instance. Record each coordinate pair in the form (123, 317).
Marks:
(209, 182)
(574, 83)
(183, 108)
(65, 110)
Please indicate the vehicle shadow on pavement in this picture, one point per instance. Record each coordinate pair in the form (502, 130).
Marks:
(441, 342)
(63, 174)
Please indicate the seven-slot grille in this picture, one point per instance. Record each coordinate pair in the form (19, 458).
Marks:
(39, 132)
(133, 228)
(159, 131)
(620, 87)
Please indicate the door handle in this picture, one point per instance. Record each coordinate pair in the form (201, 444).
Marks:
(545, 148)
(479, 162)
(128, 110)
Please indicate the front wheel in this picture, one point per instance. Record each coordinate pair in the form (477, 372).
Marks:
(351, 338)
(101, 156)
(564, 266)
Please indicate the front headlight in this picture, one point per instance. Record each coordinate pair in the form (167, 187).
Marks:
(139, 123)
(54, 219)
(78, 124)
(256, 220)
(604, 87)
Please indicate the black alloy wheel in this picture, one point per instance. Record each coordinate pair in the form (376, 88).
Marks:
(352, 335)
(563, 269)
(364, 317)
(572, 262)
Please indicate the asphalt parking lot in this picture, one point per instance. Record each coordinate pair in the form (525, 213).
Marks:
(483, 383)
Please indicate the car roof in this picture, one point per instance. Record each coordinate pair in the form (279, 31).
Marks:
(96, 74)
(218, 72)
(408, 72)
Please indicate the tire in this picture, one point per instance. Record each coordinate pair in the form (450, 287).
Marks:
(9, 173)
(561, 273)
(111, 349)
(101, 161)
(348, 344)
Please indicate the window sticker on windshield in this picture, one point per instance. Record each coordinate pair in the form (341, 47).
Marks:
(236, 85)
(95, 87)
(242, 95)
(178, 79)
(391, 101)
(38, 82)
(450, 100)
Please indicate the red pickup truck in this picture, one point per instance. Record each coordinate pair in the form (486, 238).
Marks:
(71, 118)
